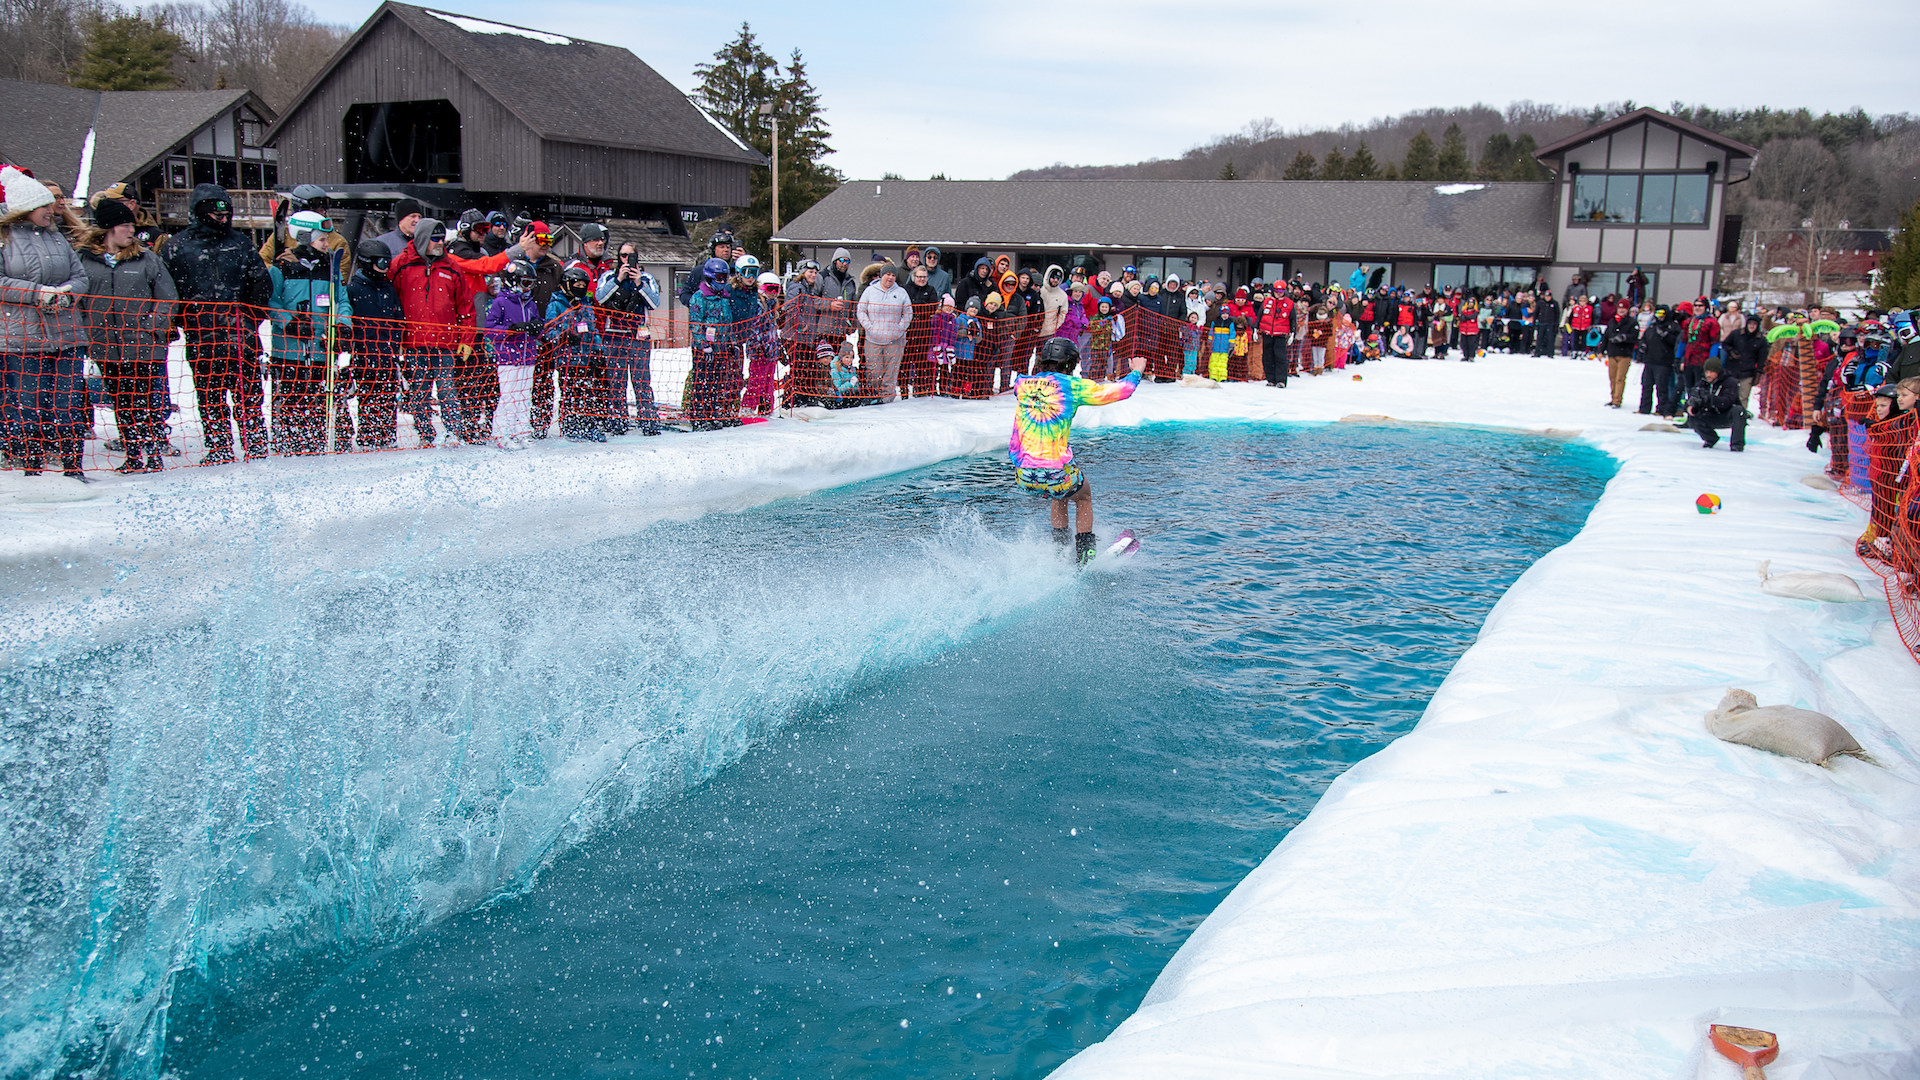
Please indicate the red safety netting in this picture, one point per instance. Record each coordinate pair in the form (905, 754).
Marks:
(1877, 466)
(135, 384)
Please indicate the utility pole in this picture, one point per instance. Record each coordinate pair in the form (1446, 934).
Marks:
(767, 111)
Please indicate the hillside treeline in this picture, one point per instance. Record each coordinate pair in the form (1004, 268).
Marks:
(1830, 167)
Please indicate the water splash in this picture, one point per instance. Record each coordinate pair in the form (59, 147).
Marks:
(330, 759)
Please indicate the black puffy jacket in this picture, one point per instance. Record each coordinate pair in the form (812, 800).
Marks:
(1744, 353)
(1621, 336)
(1714, 397)
(216, 263)
(1657, 341)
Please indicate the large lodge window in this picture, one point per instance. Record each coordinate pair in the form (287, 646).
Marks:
(1630, 198)
(403, 142)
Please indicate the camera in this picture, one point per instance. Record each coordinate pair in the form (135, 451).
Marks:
(629, 258)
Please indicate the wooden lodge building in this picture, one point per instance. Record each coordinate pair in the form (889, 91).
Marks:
(1642, 190)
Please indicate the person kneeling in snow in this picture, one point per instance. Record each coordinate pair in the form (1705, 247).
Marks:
(1043, 419)
(1715, 403)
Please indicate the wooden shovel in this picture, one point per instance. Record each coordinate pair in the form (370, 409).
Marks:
(1746, 1047)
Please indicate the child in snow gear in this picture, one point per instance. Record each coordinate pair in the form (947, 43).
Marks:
(574, 330)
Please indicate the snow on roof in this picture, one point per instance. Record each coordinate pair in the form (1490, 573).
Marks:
(1456, 189)
(482, 26)
(722, 129)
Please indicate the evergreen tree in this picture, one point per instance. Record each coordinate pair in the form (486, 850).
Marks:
(1302, 168)
(127, 52)
(1496, 156)
(1420, 163)
(1361, 165)
(1900, 266)
(1452, 164)
(1334, 165)
(1227, 173)
(742, 77)
(1524, 166)
(1392, 173)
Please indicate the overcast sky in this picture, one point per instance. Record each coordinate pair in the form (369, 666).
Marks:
(977, 91)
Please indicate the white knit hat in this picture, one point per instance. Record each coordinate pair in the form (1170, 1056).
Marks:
(23, 192)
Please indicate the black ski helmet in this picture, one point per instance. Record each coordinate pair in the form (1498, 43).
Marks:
(576, 280)
(517, 275)
(1060, 355)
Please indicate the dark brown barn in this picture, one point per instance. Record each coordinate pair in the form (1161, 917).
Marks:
(461, 112)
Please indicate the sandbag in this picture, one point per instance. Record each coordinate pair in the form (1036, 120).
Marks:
(1819, 482)
(1779, 729)
(1810, 585)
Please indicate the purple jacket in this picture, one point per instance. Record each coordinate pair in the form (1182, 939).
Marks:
(513, 348)
(1074, 324)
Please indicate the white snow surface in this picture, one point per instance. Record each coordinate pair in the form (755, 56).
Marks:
(482, 26)
(1557, 873)
(1456, 189)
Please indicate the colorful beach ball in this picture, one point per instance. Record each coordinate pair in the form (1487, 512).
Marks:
(1707, 504)
(1356, 378)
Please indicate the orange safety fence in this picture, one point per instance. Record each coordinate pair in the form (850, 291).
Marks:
(135, 385)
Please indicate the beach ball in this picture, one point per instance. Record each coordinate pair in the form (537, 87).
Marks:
(1356, 378)
(1707, 504)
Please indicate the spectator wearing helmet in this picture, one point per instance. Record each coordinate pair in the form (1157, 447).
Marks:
(308, 300)
(579, 352)
(719, 247)
(885, 312)
(514, 325)
(406, 217)
(224, 287)
(378, 339)
(1906, 359)
(467, 250)
(715, 349)
(758, 341)
(438, 300)
(304, 197)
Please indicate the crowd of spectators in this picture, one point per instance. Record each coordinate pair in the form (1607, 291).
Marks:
(480, 332)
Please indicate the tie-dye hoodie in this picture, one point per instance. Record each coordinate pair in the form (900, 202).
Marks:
(1043, 411)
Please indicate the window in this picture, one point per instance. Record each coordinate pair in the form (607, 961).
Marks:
(1270, 271)
(1341, 273)
(1653, 199)
(1690, 199)
(403, 142)
(1656, 200)
(1162, 268)
(1622, 192)
(1445, 274)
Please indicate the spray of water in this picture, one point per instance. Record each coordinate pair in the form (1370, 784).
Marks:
(326, 759)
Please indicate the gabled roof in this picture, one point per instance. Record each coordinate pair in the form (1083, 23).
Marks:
(47, 127)
(1409, 219)
(1733, 147)
(565, 89)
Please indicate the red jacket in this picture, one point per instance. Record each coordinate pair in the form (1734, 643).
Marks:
(1276, 314)
(1580, 317)
(436, 299)
(1703, 332)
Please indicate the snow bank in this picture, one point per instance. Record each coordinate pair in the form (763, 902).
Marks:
(1558, 872)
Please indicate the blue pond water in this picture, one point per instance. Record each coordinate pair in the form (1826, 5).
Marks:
(860, 784)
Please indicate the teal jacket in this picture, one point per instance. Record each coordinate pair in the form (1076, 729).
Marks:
(300, 317)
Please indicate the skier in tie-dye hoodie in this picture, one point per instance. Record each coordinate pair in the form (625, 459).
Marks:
(1042, 420)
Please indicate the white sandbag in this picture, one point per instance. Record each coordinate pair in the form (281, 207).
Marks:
(1819, 482)
(1810, 585)
(1191, 379)
(1779, 729)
